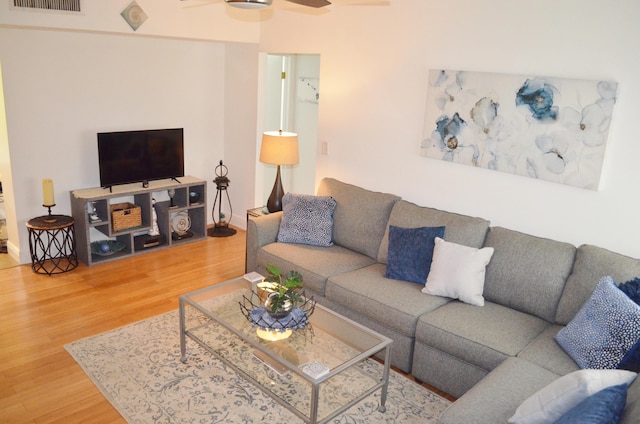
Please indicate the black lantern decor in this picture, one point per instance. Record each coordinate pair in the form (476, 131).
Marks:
(220, 220)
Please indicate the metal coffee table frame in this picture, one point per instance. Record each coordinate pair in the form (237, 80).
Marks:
(365, 342)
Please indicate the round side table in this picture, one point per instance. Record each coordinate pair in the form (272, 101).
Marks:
(52, 244)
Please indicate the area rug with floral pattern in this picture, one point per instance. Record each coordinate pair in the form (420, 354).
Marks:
(138, 369)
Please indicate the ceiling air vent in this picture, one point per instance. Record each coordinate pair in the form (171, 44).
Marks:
(66, 5)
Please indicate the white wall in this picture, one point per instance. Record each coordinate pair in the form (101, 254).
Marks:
(61, 88)
(240, 134)
(374, 66)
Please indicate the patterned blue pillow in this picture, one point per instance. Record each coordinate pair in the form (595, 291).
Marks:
(603, 407)
(307, 219)
(632, 289)
(410, 252)
(604, 330)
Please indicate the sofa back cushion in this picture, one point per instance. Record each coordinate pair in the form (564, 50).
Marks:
(360, 217)
(592, 263)
(460, 229)
(527, 273)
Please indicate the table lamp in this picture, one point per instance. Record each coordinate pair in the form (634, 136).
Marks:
(278, 148)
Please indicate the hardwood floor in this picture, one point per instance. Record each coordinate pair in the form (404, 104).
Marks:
(39, 381)
(7, 261)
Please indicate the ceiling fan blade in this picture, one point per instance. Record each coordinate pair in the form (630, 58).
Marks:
(198, 3)
(311, 3)
(365, 3)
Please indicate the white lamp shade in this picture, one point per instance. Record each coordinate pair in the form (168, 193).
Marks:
(279, 148)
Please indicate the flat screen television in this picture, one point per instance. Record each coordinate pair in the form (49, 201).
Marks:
(138, 156)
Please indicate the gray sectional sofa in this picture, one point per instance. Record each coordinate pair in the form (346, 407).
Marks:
(492, 357)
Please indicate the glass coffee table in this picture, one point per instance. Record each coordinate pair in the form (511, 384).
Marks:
(317, 372)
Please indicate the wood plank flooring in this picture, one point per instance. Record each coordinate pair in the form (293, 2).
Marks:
(39, 381)
(7, 261)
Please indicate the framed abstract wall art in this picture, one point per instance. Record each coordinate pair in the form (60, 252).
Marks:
(307, 90)
(553, 129)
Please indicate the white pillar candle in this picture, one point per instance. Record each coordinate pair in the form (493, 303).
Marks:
(47, 192)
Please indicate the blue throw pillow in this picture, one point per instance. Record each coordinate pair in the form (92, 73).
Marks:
(632, 289)
(604, 330)
(410, 252)
(603, 407)
(631, 361)
(307, 219)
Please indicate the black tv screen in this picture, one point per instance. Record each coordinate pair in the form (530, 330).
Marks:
(133, 156)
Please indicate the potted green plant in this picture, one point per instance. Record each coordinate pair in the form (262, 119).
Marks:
(285, 292)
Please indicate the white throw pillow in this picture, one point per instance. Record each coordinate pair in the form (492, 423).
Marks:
(458, 271)
(553, 401)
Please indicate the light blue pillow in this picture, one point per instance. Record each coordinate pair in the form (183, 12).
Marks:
(307, 219)
(410, 252)
(604, 407)
(604, 330)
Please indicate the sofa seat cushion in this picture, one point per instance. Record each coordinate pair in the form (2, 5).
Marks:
(498, 395)
(397, 304)
(547, 353)
(402, 347)
(484, 336)
(315, 263)
(527, 273)
(460, 229)
(360, 216)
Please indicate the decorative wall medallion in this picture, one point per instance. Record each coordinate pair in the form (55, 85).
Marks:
(134, 15)
(553, 129)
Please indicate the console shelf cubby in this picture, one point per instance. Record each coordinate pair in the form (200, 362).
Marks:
(130, 241)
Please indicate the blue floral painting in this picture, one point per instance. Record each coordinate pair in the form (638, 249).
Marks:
(553, 129)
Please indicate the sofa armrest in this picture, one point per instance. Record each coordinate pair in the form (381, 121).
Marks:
(261, 230)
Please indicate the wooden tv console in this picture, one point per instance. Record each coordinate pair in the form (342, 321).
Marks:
(136, 240)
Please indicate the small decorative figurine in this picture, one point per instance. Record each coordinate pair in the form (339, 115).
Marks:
(154, 231)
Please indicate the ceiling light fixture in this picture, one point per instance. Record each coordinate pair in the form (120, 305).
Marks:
(249, 4)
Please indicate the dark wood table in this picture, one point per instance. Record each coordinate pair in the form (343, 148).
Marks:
(52, 244)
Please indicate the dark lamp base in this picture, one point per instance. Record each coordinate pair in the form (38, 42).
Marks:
(274, 203)
(221, 231)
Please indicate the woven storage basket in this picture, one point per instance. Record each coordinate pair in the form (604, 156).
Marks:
(125, 215)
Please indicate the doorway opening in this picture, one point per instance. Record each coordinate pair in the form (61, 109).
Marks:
(8, 224)
(290, 103)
